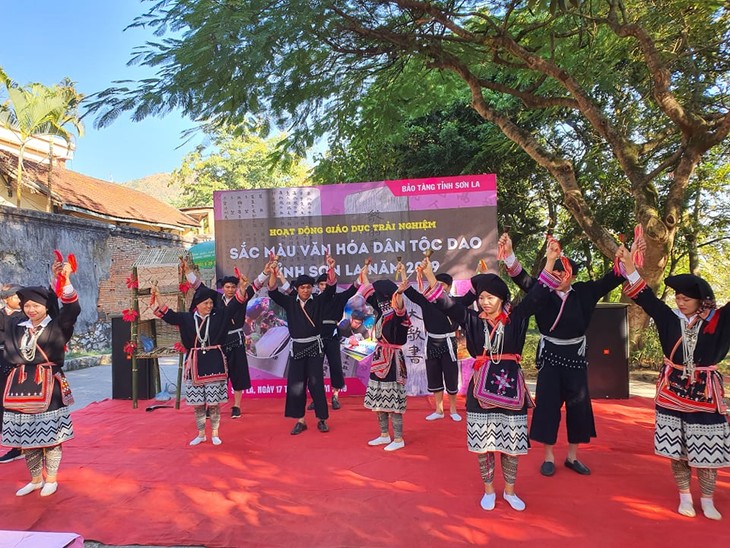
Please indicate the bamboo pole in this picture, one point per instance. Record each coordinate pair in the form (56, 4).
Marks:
(134, 338)
(180, 308)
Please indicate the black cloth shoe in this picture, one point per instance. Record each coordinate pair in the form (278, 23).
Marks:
(10, 456)
(235, 412)
(578, 466)
(310, 407)
(299, 427)
(322, 426)
(547, 468)
(335, 402)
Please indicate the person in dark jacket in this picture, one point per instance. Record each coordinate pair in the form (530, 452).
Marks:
(9, 295)
(35, 345)
(691, 415)
(203, 331)
(562, 367)
(304, 313)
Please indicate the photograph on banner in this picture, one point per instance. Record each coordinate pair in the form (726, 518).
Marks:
(452, 218)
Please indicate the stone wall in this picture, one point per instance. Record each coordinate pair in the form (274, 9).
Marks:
(105, 254)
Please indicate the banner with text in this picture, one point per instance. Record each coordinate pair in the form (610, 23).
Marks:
(453, 217)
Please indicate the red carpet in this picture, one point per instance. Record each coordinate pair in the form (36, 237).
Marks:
(129, 477)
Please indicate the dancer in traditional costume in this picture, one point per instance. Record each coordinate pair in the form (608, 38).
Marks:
(691, 416)
(442, 367)
(562, 367)
(497, 397)
(331, 316)
(203, 331)
(36, 398)
(9, 295)
(304, 314)
(386, 390)
(235, 344)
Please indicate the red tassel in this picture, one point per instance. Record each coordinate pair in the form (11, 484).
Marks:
(566, 266)
(638, 257)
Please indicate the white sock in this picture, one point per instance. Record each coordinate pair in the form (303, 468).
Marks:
(686, 507)
(708, 508)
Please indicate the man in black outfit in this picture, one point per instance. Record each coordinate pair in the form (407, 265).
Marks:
(11, 309)
(304, 313)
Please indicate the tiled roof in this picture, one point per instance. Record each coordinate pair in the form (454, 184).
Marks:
(76, 192)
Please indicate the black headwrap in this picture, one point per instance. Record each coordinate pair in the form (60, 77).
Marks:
(203, 294)
(444, 277)
(382, 294)
(227, 280)
(41, 295)
(322, 278)
(693, 287)
(303, 279)
(492, 284)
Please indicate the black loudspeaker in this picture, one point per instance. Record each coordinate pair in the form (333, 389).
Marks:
(608, 351)
(122, 366)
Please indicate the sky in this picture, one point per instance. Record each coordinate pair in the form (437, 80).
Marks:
(47, 40)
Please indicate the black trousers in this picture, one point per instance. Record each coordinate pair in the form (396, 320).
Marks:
(332, 350)
(238, 371)
(440, 371)
(558, 385)
(303, 373)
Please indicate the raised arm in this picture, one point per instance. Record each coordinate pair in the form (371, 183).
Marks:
(514, 269)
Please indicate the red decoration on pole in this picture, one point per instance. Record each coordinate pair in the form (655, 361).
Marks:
(130, 348)
(129, 315)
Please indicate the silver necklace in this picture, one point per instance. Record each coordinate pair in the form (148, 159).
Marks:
(203, 340)
(29, 341)
(498, 344)
(690, 332)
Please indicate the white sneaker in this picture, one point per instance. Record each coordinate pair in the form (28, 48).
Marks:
(708, 508)
(686, 509)
(435, 416)
(395, 445)
(381, 440)
(488, 501)
(455, 417)
(514, 501)
(197, 440)
(216, 440)
(49, 489)
(29, 488)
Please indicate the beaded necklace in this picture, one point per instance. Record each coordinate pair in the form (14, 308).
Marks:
(203, 340)
(690, 332)
(29, 341)
(496, 347)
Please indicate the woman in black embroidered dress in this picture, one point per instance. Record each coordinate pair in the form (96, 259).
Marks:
(203, 330)
(41, 339)
(691, 417)
(386, 390)
(497, 397)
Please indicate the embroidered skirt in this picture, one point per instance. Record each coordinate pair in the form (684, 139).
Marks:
(702, 439)
(210, 393)
(497, 430)
(386, 396)
(34, 431)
